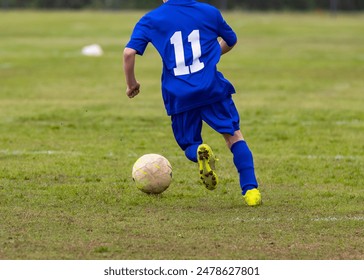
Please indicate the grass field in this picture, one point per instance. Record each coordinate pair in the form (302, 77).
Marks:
(69, 137)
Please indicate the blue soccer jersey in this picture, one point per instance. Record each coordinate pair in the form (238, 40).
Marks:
(185, 34)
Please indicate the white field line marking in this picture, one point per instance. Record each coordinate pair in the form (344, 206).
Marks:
(333, 157)
(317, 219)
(335, 219)
(336, 157)
(49, 152)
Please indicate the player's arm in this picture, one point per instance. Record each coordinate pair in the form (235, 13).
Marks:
(225, 47)
(228, 38)
(132, 85)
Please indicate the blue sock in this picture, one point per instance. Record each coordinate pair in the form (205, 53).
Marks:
(191, 152)
(243, 160)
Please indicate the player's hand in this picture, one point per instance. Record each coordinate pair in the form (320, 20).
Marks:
(133, 90)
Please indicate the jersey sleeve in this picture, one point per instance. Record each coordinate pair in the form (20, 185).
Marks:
(226, 32)
(139, 38)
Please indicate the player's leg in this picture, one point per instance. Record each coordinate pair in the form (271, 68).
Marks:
(187, 128)
(224, 118)
(243, 161)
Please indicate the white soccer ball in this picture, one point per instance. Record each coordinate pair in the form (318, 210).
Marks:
(152, 173)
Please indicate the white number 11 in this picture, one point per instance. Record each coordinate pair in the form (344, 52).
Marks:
(177, 42)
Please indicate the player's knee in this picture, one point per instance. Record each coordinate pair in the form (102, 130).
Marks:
(232, 139)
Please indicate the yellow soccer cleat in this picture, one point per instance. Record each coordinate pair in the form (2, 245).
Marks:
(253, 197)
(206, 163)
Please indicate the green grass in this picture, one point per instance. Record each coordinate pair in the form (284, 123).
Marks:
(69, 137)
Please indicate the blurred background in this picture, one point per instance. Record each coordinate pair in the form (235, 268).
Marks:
(305, 5)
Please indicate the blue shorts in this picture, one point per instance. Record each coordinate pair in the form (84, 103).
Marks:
(222, 116)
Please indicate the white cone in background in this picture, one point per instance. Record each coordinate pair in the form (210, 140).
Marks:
(92, 50)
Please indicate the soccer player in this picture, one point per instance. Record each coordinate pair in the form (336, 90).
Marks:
(191, 37)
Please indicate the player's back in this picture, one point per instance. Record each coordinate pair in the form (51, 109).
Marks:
(185, 33)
